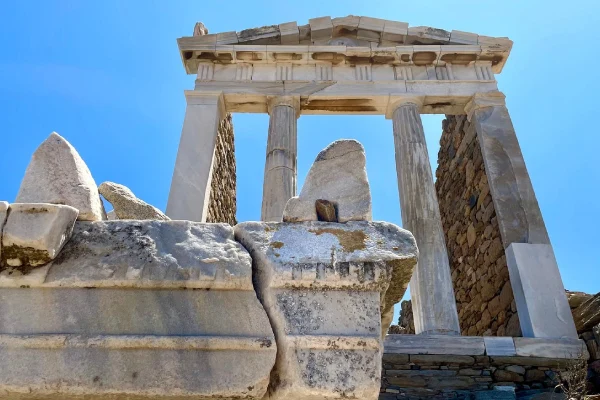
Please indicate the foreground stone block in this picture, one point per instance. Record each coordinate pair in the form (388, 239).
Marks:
(58, 175)
(339, 176)
(540, 297)
(34, 234)
(126, 205)
(113, 318)
(327, 287)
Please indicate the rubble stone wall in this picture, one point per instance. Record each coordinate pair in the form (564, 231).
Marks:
(412, 377)
(482, 287)
(222, 203)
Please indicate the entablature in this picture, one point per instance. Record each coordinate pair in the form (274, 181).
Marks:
(346, 41)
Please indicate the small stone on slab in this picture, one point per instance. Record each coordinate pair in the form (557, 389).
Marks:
(326, 211)
(34, 234)
(58, 175)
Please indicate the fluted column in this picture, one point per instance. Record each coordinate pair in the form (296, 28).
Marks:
(280, 165)
(431, 290)
(190, 186)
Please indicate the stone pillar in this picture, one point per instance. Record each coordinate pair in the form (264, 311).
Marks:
(280, 166)
(190, 186)
(542, 305)
(432, 295)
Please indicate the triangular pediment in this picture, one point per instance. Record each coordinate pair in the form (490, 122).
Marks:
(351, 39)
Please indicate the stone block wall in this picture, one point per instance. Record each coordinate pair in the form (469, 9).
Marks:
(482, 287)
(222, 203)
(415, 376)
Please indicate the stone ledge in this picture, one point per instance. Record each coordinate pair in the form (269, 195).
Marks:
(555, 349)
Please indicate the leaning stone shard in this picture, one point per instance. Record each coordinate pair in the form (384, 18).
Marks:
(139, 309)
(34, 234)
(329, 291)
(58, 175)
(126, 205)
(339, 176)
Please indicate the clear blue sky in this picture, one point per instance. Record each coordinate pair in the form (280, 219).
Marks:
(108, 77)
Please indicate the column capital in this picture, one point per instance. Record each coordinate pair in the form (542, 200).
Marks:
(484, 100)
(286, 101)
(395, 102)
(208, 98)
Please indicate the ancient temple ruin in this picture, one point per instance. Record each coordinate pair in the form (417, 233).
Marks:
(136, 304)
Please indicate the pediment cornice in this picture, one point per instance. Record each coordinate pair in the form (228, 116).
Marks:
(350, 40)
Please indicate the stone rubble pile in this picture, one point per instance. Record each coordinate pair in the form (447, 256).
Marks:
(293, 310)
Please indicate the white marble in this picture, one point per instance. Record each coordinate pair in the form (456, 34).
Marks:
(551, 348)
(339, 176)
(499, 346)
(328, 312)
(190, 186)
(56, 174)
(431, 290)
(34, 234)
(542, 304)
(279, 184)
(435, 344)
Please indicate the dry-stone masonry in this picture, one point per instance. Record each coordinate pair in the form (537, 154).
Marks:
(483, 291)
(126, 205)
(339, 176)
(222, 201)
(430, 367)
(329, 291)
(34, 234)
(58, 175)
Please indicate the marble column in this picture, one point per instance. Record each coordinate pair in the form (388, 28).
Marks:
(280, 165)
(190, 186)
(431, 289)
(541, 302)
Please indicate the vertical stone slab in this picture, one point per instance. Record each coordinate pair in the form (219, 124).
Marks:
(431, 289)
(280, 166)
(190, 186)
(519, 216)
(542, 305)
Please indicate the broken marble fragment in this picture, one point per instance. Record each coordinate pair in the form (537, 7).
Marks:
(34, 234)
(58, 175)
(339, 176)
(329, 291)
(126, 205)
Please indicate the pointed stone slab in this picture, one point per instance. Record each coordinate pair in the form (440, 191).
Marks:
(34, 234)
(126, 205)
(339, 176)
(329, 291)
(58, 175)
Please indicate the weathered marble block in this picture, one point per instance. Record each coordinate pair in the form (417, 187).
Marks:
(329, 290)
(138, 309)
(34, 234)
